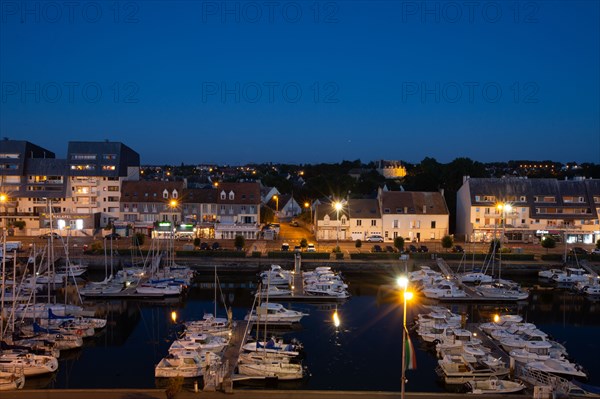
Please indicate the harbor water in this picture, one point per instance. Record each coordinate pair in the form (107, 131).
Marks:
(363, 353)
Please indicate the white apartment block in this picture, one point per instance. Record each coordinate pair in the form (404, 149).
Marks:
(524, 210)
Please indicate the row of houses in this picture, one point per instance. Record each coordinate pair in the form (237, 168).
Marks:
(98, 185)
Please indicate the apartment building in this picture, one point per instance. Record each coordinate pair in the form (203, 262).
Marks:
(96, 171)
(524, 210)
(364, 218)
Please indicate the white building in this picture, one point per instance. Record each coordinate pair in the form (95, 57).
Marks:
(415, 216)
(531, 208)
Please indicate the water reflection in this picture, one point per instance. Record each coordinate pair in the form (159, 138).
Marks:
(363, 353)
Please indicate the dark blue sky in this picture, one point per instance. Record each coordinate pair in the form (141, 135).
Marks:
(305, 81)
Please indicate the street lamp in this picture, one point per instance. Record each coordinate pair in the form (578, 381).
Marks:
(276, 204)
(407, 296)
(338, 207)
(504, 207)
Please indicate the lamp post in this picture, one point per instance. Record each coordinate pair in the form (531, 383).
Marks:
(406, 296)
(307, 206)
(173, 204)
(276, 205)
(338, 207)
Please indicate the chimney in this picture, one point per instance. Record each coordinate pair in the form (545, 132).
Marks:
(465, 178)
(442, 191)
(405, 209)
(424, 208)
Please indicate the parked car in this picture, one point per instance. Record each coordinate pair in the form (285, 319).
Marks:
(294, 223)
(457, 249)
(297, 248)
(275, 226)
(389, 248)
(311, 248)
(578, 251)
(423, 248)
(112, 236)
(376, 248)
(596, 251)
(215, 246)
(47, 235)
(204, 246)
(412, 248)
(374, 238)
(285, 246)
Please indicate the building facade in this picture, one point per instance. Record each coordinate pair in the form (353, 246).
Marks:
(414, 216)
(525, 210)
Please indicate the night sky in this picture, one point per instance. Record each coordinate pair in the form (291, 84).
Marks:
(305, 81)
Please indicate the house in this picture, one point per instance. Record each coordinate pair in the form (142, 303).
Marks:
(364, 218)
(413, 215)
(285, 206)
(391, 169)
(238, 210)
(331, 224)
(525, 210)
(199, 207)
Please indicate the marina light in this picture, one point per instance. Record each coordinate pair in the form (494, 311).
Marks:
(337, 206)
(496, 318)
(3, 197)
(336, 319)
(174, 316)
(408, 295)
(402, 282)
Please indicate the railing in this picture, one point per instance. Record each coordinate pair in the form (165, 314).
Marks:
(537, 377)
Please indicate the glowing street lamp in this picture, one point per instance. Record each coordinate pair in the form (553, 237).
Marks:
(407, 296)
(276, 203)
(337, 206)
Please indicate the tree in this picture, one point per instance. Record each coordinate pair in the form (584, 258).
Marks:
(495, 245)
(548, 242)
(358, 244)
(196, 242)
(139, 239)
(303, 243)
(598, 244)
(447, 242)
(399, 243)
(239, 242)
(266, 215)
(20, 224)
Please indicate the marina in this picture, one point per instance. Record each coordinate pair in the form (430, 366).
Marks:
(369, 325)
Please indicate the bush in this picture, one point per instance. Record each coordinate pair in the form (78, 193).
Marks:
(239, 242)
(552, 257)
(399, 243)
(374, 256)
(548, 242)
(20, 224)
(139, 239)
(256, 254)
(303, 243)
(196, 242)
(212, 254)
(358, 244)
(339, 255)
(336, 249)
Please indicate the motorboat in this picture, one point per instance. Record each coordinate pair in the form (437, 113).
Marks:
(561, 367)
(572, 276)
(159, 288)
(457, 338)
(494, 385)
(455, 369)
(274, 346)
(444, 290)
(475, 278)
(30, 363)
(550, 273)
(200, 343)
(502, 290)
(11, 380)
(503, 322)
(533, 351)
(512, 329)
(276, 276)
(210, 325)
(187, 364)
(273, 291)
(267, 368)
(331, 289)
(274, 313)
